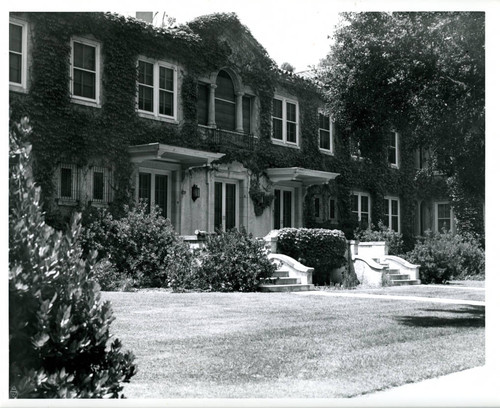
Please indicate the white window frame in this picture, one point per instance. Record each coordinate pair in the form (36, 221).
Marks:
(107, 184)
(224, 182)
(75, 190)
(330, 121)
(390, 215)
(284, 118)
(15, 86)
(81, 99)
(156, 90)
(389, 146)
(436, 219)
(152, 188)
(281, 189)
(360, 194)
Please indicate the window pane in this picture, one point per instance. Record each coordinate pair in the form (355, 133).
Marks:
(84, 56)
(394, 225)
(324, 122)
(218, 205)
(316, 207)
(15, 38)
(291, 132)
(332, 209)
(277, 129)
(145, 188)
(324, 139)
(145, 98)
(392, 155)
(277, 108)
(364, 204)
(277, 209)
(98, 188)
(166, 103)
(66, 183)
(230, 206)
(166, 79)
(394, 207)
(15, 66)
(291, 112)
(145, 73)
(161, 193)
(287, 209)
(225, 88)
(354, 203)
(84, 84)
(386, 207)
(443, 211)
(225, 114)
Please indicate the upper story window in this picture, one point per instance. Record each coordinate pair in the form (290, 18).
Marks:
(391, 213)
(285, 121)
(225, 102)
(85, 77)
(360, 207)
(393, 149)
(355, 148)
(325, 133)
(17, 54)
(157, 89)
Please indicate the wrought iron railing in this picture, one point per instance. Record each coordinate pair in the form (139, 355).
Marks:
(216, 138)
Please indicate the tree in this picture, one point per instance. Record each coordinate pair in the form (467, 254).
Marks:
(423, 74)
(59, 340)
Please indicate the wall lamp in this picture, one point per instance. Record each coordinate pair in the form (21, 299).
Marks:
(195, 192)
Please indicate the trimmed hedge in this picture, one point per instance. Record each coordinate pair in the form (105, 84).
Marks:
(393, 239)
(231, 261)
(322, 249)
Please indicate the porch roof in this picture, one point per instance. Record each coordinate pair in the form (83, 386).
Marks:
(172, 154)
(306, 176)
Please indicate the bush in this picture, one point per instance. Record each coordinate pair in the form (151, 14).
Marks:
(110, 279)
(448, 256)
(393, 239)
(59, 340)
(142, 246)
(322, 249)
(232, 261)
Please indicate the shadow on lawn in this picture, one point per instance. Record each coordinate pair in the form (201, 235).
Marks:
(471, 316)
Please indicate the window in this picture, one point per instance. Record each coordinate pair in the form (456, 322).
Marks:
(331, 209)
(225, 102)
(444, 217)
(392, 149)
(325, 134)
(67, 182)
(391, 213)
(157, 89)
(225, 205)
(360, 207)
(284, 119)
(100, 184)
(355, 148)
(85, 80)
(17, 53)
(317, 207)
(154, 189)
(283, 208)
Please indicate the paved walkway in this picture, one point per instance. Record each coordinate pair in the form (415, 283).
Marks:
(393, 297)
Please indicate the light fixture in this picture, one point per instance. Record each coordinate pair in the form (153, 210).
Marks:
(195, 192)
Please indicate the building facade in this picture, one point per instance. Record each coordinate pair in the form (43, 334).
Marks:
(199, 121)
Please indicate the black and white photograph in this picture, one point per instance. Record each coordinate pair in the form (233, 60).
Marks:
(270, 203)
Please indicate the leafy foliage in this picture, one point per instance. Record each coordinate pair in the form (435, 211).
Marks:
(445, 256)
(142, 246)
(393, 239)
(59, 340)
(424, 75)
(232, 261)
(321, 249)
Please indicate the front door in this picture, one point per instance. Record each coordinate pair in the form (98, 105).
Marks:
(154, 189)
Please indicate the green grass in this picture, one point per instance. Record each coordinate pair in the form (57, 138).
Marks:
(279, 345)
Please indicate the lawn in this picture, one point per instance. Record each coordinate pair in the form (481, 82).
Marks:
(281, 345)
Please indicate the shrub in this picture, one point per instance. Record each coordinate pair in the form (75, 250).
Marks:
(447, 256)
(232, 261)
(59, 340)
(142, 246)
(109, 278)
(322, 249)
(393, 239)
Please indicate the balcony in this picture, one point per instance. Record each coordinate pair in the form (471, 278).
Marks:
(214, 139)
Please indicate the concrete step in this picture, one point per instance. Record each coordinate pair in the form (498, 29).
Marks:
(399, 276)
(393, 271)
(405, 282)
(286, 281)
(285, 288)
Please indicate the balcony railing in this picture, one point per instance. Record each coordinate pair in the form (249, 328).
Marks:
(216, 138)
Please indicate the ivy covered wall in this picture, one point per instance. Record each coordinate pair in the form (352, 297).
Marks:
(66, 131)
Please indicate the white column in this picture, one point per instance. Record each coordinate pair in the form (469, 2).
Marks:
(211, 106)
(239, 112)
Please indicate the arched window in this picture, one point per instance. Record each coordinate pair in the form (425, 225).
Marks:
(225, 102)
